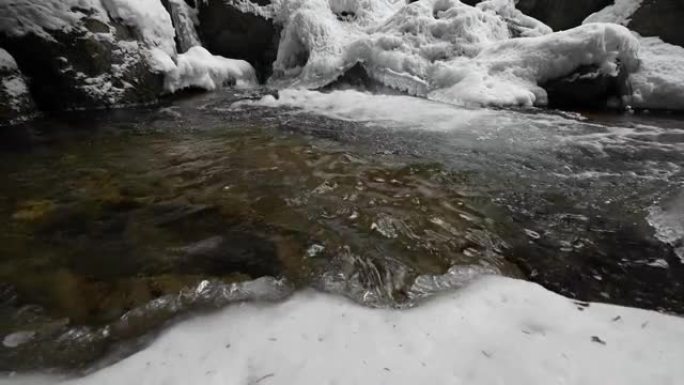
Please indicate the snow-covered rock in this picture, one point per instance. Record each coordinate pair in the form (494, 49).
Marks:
(494, 331)
(75, 55)
(15, 100)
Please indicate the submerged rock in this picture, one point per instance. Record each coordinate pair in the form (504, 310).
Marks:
(227, 30)
(15, 101)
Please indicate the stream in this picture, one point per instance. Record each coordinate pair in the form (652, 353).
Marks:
(116, 222)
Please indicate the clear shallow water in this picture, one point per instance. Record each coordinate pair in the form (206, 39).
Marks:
(108, 212)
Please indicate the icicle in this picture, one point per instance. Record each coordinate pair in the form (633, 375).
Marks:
(183, 18)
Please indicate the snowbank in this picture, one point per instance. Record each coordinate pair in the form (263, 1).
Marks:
(495, 331)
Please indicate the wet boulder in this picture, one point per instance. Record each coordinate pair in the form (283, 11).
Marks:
(76, 57)
(229, 29)
(660, 18)
(588, 88)
(561, 14)
(15, 101)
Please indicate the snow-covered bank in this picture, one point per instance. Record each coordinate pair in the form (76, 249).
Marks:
(495, 331)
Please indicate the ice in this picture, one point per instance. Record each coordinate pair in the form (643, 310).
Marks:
(445, 50)
(494, 331)
(659, 83)
(184, 20)
(667, 219)
(200, 69)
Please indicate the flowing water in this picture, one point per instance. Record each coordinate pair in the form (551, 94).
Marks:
(116, 222)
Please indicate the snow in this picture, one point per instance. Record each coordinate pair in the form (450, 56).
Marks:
(445, 50)
(199, 68)
(495, 331)
(149, 18)
(659, 83)
(619, 13)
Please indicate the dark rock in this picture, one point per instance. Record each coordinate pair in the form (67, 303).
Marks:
(561, 14)
(94, 63)
(586, 88)
(660, 18)
(16, 103)
(227, 31)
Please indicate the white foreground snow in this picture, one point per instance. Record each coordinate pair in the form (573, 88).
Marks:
(494, 331)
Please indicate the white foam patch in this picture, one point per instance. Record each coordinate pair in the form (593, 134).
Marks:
(385, 110)
(495, 331)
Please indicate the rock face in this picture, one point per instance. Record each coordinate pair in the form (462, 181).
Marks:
(228, 31)
(561, 14)
(77, 58)
(15, 101)
(660, 18)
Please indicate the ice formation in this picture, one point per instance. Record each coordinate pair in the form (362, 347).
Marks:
(494, 331)
(199, 68)
(659, 81)
(490, 54)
